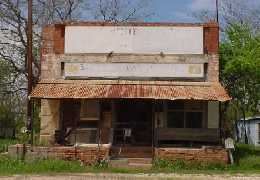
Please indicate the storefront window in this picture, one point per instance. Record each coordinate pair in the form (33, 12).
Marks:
(89, 114)
(181, 114)
(175, 119)
(194, 119)
(89, 110)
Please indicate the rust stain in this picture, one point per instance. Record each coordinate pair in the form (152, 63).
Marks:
(209, 91)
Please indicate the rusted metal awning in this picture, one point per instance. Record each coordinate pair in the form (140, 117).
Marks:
(88, 89)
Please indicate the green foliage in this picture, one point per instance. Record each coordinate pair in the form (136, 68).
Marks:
(7, 116)
(247, 161)
(10, 165)
(181, 165)
(240, 67)
(10, 103)
(4, 143)
(101, 164)
(244, 151)
(23, 137)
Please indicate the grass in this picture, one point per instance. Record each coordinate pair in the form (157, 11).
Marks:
(247, 161)
(4, 143)
(9, 166)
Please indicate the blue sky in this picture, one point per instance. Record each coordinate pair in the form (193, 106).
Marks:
(178, 10)
(181, 10)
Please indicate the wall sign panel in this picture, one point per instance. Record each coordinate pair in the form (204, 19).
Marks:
(133, 70)
(139, 40)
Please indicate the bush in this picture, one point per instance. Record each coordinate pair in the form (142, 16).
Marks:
(244, 151)
(101, 164)
(179, 165)
(4, 143)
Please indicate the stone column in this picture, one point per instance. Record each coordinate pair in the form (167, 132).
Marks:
(50, 117)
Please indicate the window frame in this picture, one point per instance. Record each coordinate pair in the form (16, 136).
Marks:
(185, 110)
(89, 118)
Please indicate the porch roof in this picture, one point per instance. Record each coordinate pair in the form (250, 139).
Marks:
(89, 89)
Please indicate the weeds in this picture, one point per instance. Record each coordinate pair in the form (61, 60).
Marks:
(180, 165)
(10, 165)
(4, 143)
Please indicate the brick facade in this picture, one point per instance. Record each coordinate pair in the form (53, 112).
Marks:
(53, 38)
(213, 68)
(54, 35)
(213, 154)
(87, 155)
(52, 57)
(211, 38)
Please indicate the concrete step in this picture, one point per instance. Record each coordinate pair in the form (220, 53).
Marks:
(131, 162)
(140, 160)
(139, 165)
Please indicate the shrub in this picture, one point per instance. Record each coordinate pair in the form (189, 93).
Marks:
(180, 164)
(101, 164)
(4, 143)
(244, 151)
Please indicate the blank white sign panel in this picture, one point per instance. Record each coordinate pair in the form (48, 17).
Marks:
(128, 39)
(141, 70)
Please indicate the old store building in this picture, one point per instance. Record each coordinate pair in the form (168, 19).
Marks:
(132, 89)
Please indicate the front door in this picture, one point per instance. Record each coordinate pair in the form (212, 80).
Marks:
(133, 124)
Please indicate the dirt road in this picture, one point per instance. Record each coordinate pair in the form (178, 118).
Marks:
(130, 177)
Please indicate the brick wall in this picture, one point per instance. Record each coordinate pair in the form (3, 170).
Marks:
(53, 38)
(87, 155)
(53, 53)
(213, 68)
(202, 155)
(211, 38)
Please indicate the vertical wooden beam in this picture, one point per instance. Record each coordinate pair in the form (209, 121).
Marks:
(29, 68)
(113, 109)
(153, 126)
(217, 18)
(220, 124)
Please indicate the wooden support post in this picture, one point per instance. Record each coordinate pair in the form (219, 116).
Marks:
(153, 125)
(29, 68)
(113, 109)
(220, 125)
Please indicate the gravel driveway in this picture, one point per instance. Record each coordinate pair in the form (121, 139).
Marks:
(129, 177)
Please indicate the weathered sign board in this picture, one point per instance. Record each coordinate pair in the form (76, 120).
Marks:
(132, 70)
(129, 39)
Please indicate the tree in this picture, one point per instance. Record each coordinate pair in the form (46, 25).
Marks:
(232, 11)
(13, 21)
(240, 67)
(13, 45)
(120, 10)
(13, 37)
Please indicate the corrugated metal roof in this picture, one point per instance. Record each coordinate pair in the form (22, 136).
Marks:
(80, 89)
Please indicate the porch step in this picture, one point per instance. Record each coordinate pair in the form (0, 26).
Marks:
(131, 162)
(140, 160)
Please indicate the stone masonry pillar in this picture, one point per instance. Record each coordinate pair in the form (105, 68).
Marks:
(50, 117)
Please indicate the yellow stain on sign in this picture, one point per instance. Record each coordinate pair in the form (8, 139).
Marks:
(72, 68)
(194, 69)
